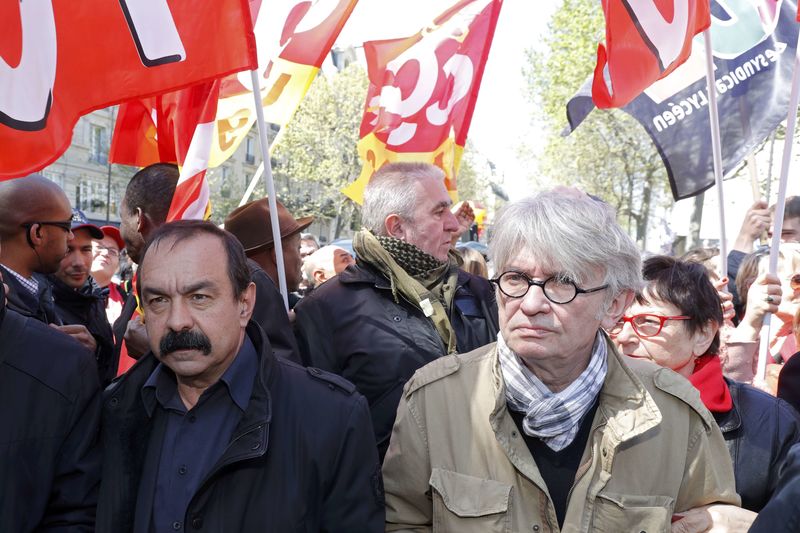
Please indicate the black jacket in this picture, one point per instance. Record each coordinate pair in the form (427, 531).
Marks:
(270, 313)
(87, 306)
(782, 513)
(352, 326)
(759, 431)
(49, 414)
(40, 306)
(301, 459)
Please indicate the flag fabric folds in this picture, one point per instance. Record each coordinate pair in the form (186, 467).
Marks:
(422, 92)
(645, 41)
(293, 38)
(59, 61)
(754, 48)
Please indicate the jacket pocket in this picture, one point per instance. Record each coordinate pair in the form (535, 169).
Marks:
(469, 504)
(645, 514)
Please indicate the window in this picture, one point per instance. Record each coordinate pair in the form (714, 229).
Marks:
(90, 196)
(98, 145)
(249, 154)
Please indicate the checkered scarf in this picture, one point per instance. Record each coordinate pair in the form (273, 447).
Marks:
(552, 417)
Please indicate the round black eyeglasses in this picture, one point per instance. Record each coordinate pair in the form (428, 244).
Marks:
(556, 289)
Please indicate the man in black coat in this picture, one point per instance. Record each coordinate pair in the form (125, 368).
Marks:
(78, 299)
(405, 302)
(209, 431)
(49, 414)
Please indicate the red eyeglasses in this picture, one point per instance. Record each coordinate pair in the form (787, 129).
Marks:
(645, 324)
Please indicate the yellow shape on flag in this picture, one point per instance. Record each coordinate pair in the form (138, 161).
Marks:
(281, 94)
(375, 154)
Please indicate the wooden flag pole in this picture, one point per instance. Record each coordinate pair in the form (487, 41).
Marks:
(273, 205)
(780, 207)
(716, 148)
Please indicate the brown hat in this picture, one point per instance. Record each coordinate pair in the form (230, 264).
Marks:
(251, 224)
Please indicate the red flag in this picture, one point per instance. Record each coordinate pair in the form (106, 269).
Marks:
(61, 60)
(293, 38)
(645, 41)
(422, 92)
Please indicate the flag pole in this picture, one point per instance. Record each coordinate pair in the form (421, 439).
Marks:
(716, 148)
(780, 207)
(260, 170)
(273, 205)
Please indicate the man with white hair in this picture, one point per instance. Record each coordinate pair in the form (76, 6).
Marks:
(405, 302)
(549, 429)
(322, 265)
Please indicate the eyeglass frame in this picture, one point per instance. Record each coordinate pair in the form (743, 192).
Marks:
(541, 284)
(629, 319)
(113, 252)
(65, 225)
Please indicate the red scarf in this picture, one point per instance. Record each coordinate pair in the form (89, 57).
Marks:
(707, 378)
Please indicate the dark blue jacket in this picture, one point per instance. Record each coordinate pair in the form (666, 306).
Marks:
(49, 414)
(351, 325)
(759, 431)
(782, 513)
(301, 459)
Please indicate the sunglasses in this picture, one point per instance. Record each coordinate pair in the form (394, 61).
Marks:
(66, 225)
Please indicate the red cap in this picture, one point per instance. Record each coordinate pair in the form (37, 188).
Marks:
(113, 232)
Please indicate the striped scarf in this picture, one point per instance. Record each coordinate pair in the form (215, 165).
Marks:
(552, 417)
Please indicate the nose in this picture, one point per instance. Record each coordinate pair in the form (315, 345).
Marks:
(450, 222)
(179, 317)
(626, 335)
(535, 301)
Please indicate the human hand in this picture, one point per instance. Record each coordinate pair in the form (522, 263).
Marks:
(716, 518)
(136, 340)
(726, 299)
(465, 217)
(764, 296)
(80, 334)
(757, 220)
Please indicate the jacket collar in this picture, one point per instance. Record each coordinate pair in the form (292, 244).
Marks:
(363, 272)
(732, 420)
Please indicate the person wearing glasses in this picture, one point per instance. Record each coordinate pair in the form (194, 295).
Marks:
(550, 428)
(35, 227)
(674, 322)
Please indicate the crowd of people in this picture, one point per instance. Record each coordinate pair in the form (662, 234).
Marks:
(568, 385)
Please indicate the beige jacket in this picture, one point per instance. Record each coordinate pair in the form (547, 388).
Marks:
(457, 462)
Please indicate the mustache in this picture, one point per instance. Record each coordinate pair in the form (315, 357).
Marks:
(184, 340)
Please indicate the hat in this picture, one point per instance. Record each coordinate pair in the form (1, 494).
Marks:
(113, 233)
(79, 221)
(251, 224)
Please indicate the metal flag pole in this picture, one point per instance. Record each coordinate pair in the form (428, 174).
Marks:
(260, 170)
(716, 148)
(273, 205)
(780, 207)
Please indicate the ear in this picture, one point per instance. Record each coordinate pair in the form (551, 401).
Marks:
(319, 276)
(247, 302)
(143, 223)
(34, 234)
(395, 227)
(703, 337)
(617, 308)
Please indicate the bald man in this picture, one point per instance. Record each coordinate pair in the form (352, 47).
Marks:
(35, 227)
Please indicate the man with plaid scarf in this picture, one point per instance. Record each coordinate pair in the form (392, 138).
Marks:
(549, 429)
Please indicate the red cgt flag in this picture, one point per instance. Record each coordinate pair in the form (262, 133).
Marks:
(422, 92)
(293, 38)
(60, 60)
(645, 41)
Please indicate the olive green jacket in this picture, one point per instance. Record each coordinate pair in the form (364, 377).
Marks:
(457, 463)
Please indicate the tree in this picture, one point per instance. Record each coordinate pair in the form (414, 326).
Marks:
(317, 155)
(610, 154)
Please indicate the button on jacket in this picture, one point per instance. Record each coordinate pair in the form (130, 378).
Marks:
(457, 462)
(301, 459)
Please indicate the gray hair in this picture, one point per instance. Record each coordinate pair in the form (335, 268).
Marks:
(570, 234)
(391, 191)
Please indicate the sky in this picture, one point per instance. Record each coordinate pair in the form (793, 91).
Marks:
(502, 117)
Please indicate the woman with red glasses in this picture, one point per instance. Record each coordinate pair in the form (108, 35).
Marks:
(674, 322)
